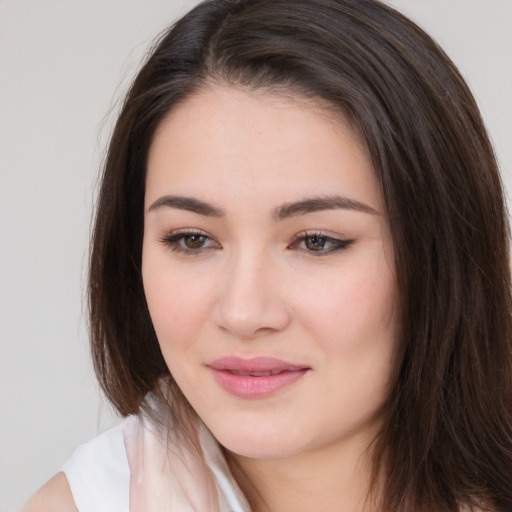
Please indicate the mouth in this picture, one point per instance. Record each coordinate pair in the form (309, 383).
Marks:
(266, 373)
(255, 378)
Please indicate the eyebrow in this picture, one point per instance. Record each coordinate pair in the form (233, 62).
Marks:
(310, 205)
(187, 203)
(317, 204)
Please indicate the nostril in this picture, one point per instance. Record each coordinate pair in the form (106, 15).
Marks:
(252, 317)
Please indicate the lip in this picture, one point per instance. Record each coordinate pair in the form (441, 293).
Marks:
(255, 377)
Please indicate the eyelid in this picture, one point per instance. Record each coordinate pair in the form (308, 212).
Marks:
(173, 238)
(339, 243)
(186, 231)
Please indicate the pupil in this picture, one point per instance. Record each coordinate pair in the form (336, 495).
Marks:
(315, 243)
(194, 241)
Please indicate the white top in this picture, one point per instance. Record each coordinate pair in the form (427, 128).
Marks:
(121, 470)
(99, 475)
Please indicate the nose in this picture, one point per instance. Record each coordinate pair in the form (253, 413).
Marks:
(250, 302)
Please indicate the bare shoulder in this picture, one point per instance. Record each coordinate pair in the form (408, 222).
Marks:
(55, 495)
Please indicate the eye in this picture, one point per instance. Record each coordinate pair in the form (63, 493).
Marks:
(194, 241)
(190, 242)
(316, 243)
(319, 243)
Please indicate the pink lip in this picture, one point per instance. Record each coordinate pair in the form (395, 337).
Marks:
(256, 377)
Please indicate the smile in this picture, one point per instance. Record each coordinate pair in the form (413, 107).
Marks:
(254, 378)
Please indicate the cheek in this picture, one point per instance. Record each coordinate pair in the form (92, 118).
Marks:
(356, 306)
(178, 304)
(178, 309)
(355, 327)
(353, 323)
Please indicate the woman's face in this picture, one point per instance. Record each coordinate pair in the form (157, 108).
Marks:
(267, 267)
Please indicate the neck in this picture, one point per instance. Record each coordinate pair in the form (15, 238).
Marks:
(336, 477)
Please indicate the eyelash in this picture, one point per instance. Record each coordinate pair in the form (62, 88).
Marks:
(337, 244)
(175, 242)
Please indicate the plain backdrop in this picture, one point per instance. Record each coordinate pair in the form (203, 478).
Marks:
(63, 66)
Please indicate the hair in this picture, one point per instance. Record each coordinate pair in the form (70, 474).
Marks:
(446, 439)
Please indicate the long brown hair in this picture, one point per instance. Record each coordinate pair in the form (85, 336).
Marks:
(446, 440)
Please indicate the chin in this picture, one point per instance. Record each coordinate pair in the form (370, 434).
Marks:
(260, 451)
(259, 443)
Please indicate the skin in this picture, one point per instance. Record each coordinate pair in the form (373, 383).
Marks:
(248, 276)
(55, 495)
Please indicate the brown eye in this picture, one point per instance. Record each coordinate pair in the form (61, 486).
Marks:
(319, 244)
(190, 243)
(194, 241)
(315, 243)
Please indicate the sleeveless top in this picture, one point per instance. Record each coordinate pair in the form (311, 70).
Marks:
(134, 468)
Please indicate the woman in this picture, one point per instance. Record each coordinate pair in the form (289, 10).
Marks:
(299, 281)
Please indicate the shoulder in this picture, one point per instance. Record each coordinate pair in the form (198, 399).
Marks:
(96, 478)
(55, 495)
(98, 473)
(105, 451)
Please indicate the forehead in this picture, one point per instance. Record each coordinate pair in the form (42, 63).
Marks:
(225, 140)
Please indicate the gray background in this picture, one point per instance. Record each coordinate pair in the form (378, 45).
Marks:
(63, 65)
